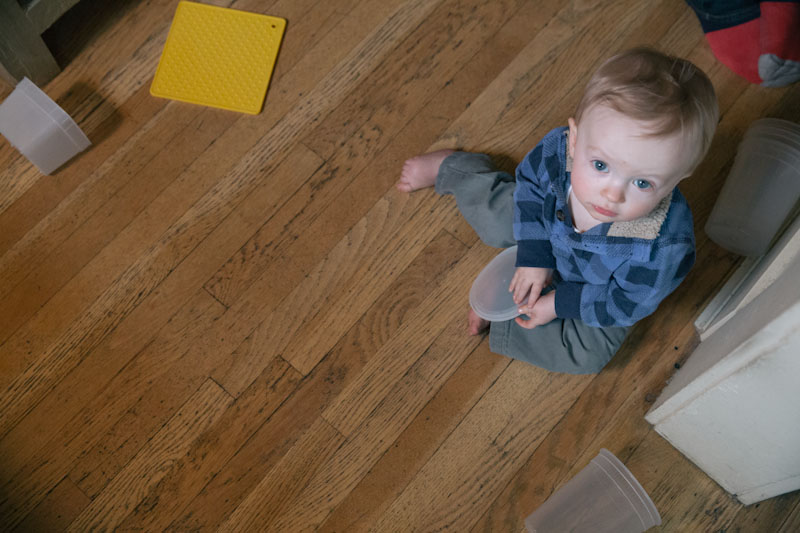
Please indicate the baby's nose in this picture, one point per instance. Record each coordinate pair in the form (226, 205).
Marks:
(614, 194)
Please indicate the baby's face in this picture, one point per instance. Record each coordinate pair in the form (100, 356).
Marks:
(620, 173)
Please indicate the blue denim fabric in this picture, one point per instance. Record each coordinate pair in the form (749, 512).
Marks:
(720, 14)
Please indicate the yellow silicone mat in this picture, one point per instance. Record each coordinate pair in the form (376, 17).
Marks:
(218, 57)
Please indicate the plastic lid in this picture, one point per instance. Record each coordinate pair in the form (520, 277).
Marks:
(489, 296)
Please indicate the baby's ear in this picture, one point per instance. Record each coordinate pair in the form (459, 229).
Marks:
(573, 136)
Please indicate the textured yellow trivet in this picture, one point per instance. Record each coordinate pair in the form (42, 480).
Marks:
(218, 57)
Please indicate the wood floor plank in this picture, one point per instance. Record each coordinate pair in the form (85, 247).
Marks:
(61, 506)
(35, 205)
(365, 262)
(279, 323)
(473, 465)
(133, 333)
(37, 245)
(459, 333)
(33, 287)
(396, 306)
(412, 450)
(128, 488)
(440, 47)
(353, 406)
(353, 134)
(136, 52)
(31, 466)
(148, 412)
(286, 480)
(767, 515)
(100, 188)
(141, 398)
(792, 523)
(510, 105)
(577, 46)
(675, 482)
(306, 30)
(369, 442)
(136, 284)
(413, 139)
(365, 249)
(211, 451)
(653, 27)
(266, 264)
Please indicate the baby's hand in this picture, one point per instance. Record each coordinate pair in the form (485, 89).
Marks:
(541, 313)
(528, 282)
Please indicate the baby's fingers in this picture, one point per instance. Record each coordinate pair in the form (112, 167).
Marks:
(527, 324)
(514, 281)
(521, 291)
(526, 308)
(518, 285)
(531, 292)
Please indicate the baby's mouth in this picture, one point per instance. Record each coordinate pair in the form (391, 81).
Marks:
(604, 212)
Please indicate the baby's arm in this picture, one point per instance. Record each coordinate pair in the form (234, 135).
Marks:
(535, 259)
(634, 291)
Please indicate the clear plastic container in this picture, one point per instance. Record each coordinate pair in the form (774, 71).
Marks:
(604, 497)
(489, 296)
(37, 127)
(762, 189)
(774, 124)
(777, 136)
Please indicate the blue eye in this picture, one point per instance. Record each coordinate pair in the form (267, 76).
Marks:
(600, 166)
(642, 184)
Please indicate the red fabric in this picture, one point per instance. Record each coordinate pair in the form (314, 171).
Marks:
(780, 29)
(739, 47)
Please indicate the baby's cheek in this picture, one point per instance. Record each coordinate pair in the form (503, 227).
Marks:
(580, 185)
(638, 208)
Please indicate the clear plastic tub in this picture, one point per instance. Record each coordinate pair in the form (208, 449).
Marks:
(604, 497)
(774, 124)
(762, 189)
(37, 127)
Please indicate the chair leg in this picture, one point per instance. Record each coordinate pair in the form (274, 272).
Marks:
(22, 50)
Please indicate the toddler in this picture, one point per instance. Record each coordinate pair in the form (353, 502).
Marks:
(603, 233)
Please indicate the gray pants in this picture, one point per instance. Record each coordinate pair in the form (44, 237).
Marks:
(485, 197)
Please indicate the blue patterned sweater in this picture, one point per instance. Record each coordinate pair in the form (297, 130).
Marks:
(612, 275)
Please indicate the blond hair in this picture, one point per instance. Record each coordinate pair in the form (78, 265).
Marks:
(669, 93)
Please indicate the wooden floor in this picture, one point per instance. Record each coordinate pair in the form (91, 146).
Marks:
(221, 321)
